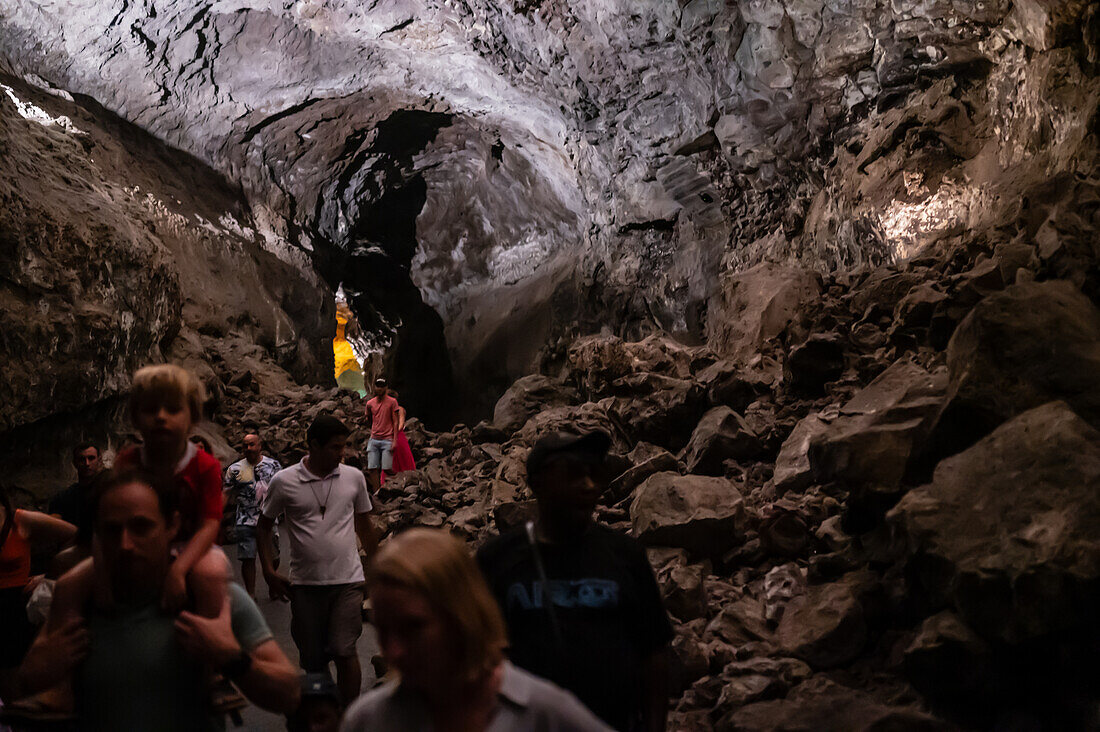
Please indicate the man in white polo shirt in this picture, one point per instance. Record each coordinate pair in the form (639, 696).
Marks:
(325, 504)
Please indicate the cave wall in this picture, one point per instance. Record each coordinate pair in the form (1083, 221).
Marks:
(115, 252)
(613, 156)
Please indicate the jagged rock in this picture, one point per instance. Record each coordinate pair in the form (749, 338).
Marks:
(820, 704)
(818, 360)
(824, 626)
(781, 584)
(783, 530)
(525, 398)
(685, 591)
(1030, 344)
(876, 436)
(950, 662)
(1008, 532)
(486, 432)
(740, 622)
(721, 434)
(581, 419)
(732, 386)
(645, 460)
(757, 306)
(792, 466)
(658, 409)
(511, 514)
(701, 514)
(688, 663)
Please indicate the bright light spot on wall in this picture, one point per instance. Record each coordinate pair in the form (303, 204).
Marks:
(37, 114)
(908, 226)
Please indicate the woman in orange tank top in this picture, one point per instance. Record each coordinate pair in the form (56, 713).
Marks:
(20, 531)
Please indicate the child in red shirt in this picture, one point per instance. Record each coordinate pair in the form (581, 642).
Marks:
(165, 403)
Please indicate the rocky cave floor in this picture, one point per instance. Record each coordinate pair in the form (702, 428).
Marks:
(892, 525)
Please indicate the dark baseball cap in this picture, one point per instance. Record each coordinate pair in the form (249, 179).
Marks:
(379, 382)
(589, 447)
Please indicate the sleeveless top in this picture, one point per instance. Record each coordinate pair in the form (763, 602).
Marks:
(15, 558)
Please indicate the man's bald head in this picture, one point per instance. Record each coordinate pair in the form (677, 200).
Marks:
(253, 448)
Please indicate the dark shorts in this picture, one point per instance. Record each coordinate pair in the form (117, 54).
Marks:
(245, 537)
(16, 631)
(325, 622)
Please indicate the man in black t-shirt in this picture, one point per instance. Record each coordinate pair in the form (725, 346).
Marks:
(580, 600)
(72, 503)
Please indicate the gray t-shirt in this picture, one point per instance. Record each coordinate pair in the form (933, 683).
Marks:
(322, 542)
(525, 702)
(137, 677)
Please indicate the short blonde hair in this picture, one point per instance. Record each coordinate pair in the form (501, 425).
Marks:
(165, 383)
(435, 564)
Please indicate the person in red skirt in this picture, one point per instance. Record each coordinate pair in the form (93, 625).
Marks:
(402, 453)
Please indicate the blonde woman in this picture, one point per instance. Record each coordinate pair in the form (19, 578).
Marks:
(441, 631)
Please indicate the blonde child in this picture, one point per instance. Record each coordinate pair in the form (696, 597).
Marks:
(165, 403)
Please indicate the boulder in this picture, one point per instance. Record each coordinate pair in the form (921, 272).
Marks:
(525, 398)
(576, 420)
(880, 427)
(728, 384)
(701, 514)
(646, 459)
(658, 409)
(757, 306)
(684, 591)
(824, 626)
(948, 661)
(792, 466)
(822, 705)
(1008, 532)
(812, 364)
(1033, 343)
(721, 434)
(596, 362)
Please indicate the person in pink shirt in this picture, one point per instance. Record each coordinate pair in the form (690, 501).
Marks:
(383, 417)
(402, 452)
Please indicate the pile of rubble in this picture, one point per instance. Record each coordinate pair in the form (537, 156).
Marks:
(872, 501)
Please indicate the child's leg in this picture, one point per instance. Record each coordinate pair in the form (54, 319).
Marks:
(207, 582)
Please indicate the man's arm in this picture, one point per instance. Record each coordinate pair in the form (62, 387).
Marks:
(278, 584)
(368, 536)
(270, 682)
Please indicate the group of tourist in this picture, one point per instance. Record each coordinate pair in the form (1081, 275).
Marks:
(556, 625)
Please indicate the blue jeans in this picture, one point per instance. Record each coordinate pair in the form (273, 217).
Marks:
(379, 454)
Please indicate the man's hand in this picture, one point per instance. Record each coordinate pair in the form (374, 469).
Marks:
(278, 586)
(55, 653)
(175, 590)
(208, 639)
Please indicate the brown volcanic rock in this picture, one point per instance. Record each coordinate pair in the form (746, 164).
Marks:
(529, 396)
(701, 514)
(1008, 532)
(820, 705)
(824, 626)
(658, 409)
(756, 306)
(1030, 344)
(720, 435)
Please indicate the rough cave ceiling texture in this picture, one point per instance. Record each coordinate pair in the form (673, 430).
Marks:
(487, 175)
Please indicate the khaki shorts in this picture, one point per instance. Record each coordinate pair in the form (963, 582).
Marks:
(325, 622)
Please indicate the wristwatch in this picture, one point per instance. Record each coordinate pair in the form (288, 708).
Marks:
(238, 667)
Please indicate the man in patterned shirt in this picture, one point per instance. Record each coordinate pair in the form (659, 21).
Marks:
(249, 478)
